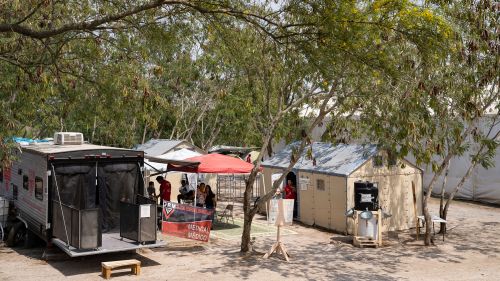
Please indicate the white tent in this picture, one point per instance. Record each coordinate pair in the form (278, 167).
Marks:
(483, 185)
(180, 154)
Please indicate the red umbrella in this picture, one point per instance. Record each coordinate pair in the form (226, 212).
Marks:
(216, 164)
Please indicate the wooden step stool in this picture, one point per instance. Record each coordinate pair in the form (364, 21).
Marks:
(135, 265)
(364, 242)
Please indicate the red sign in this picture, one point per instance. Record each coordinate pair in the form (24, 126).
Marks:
(31, 181)
(7, 175)
(186, 221)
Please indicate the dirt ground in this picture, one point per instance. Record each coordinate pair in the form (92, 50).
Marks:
(471, 252)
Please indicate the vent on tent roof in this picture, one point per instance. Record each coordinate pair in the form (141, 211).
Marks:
(68, 138)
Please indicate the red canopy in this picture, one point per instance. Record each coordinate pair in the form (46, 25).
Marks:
(215, 164)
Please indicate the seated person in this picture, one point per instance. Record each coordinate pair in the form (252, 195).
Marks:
(201, 195)
(210, 198)
(186, 193)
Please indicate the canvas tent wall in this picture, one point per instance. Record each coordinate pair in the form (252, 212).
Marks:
(326, 190)
(484, 184)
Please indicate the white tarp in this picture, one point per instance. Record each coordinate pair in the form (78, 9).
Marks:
(180, 154)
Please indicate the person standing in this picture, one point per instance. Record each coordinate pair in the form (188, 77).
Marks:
(249, 158)
(165, 189)
(290, 192)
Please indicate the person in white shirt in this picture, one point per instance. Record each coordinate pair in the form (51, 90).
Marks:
(186, 193)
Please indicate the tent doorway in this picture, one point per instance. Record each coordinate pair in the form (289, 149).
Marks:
(291, 176)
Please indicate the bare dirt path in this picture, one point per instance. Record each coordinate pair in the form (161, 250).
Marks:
(471, 252)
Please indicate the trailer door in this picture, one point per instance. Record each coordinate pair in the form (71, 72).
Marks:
(117, 182)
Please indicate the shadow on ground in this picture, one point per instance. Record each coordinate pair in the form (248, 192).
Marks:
(92, 264)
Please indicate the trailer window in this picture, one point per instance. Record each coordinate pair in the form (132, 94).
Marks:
(14, 191)
(38, 188)
(26, 181)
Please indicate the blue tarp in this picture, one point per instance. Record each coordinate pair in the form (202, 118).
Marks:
(27, 140)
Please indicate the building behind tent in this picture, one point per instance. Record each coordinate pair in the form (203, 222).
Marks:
(325, 184)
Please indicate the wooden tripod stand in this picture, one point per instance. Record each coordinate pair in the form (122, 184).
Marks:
(278, 247)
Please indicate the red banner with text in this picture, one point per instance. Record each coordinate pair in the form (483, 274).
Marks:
(186, 221)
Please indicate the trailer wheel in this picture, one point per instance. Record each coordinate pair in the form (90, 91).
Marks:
(17, 235)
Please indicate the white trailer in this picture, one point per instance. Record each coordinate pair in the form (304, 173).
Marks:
(86, 199)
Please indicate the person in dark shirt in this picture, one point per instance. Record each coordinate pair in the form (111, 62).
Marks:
(210, 202)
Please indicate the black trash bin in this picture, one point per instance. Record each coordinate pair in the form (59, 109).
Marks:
(138, 222)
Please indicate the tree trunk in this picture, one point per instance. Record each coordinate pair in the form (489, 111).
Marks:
(428, 237)
(94, 127)
(437, 174)
(455, 191)
(441, 200)
(246, 245)
(144, 133)
(270, 150)
(427, 215)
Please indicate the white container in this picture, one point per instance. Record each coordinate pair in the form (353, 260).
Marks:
(4, 202)
(368, 228)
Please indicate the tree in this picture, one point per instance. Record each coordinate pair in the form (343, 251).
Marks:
(439, 115)
(337, 40)
(69, 54)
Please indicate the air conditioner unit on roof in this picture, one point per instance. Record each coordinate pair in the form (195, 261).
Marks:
(68, 138)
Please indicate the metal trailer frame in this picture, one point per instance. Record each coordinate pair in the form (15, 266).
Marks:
(28, 184)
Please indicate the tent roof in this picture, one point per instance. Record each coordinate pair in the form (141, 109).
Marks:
(171, 164)
(216, 164)
(155, 147)
(155, 162)
(180, 154)
(341, 160)
(225, 149)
